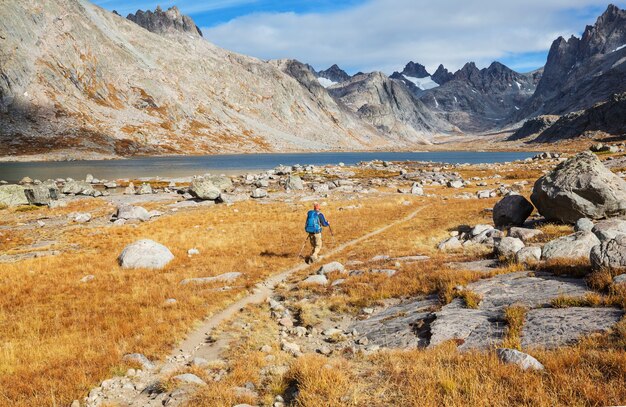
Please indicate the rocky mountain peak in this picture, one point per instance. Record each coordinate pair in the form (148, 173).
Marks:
(335, 74)
(442, 75)
(162, 22)
(415, 70)
(607, 34)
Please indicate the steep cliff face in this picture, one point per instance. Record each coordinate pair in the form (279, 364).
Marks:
(580, 72)
(162, 22)
(477, 100)
(76, 78)
(608, 117)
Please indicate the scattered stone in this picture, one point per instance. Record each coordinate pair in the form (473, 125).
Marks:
(170, 301)
(189, 378)
(78, 188)
(610, 254)
(511, 210)
(140, 359)
(331, 267)
(570, 247)
(581, 187)
(455, 184)
(87, 278)
(144, 189)
(524, 234)
(193, 252)
(259, 193)
(523, 360)
(416, 189)
(145, 253)
(129, 212)
(507, 247)
(450, 244)
(294, 183)
(82, 217)
(583, 225)
(620, 279)
(478, 229)
(319, 279)
(291, 348)
(528, 255)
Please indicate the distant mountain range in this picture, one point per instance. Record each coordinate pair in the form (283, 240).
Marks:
(76, 79)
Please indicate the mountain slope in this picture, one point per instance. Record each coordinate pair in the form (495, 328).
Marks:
(582, 71)
(77, 78)
(389, 106)
(477, 100)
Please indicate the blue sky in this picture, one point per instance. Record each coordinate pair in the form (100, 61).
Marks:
(367, 35)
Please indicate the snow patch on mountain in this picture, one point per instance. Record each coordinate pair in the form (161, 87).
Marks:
(422, 83)
(327, 83)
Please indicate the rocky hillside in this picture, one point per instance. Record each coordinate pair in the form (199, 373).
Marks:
(582, 71)
(477, 100)
(78, 79)
(388, 105)
(608, 117)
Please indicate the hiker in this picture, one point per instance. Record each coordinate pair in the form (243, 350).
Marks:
(315, 221)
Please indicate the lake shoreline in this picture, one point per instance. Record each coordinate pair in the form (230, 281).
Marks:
(176, 167)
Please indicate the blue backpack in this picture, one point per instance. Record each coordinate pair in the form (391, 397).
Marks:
(312, 222)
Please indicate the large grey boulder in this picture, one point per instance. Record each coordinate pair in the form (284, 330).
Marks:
(204, 189)
(521, 359)
(129, 212)
(611, 254)
(12, 195)
(609, 229)
(259, 193)
(512, 210)
(145, 253)
(78, 188)
(220, 181)
(581, 187)
(42, 194)
(574, 246)
(295, 183)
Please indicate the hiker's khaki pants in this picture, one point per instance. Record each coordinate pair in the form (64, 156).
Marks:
(316, 245)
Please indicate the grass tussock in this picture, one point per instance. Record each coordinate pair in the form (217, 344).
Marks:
(515, 316)
(470, 298)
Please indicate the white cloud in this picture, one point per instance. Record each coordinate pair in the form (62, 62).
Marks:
(385, 34)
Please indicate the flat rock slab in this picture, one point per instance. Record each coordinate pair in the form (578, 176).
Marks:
(400, 326)
(485, 266)
(472, 328)
(121, 200)
(553, 327)
(503, 290)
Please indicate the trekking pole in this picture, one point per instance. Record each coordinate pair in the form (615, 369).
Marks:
(303, 244)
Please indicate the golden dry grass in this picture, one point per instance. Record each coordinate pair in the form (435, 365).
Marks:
(55, 327)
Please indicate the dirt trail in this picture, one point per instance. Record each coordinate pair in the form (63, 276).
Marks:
(198, 344)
